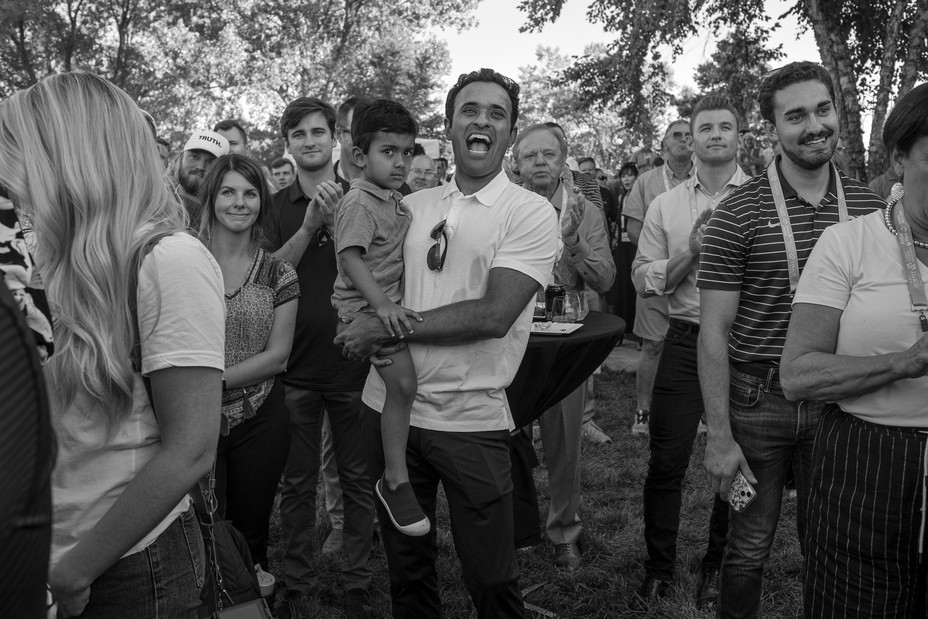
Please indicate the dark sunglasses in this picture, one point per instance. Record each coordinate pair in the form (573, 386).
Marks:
(323, 236)
(680, 135)
(435, 258)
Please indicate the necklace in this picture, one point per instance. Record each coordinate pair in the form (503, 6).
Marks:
(888, 220)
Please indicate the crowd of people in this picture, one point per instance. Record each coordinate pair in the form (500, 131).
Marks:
(259, 326)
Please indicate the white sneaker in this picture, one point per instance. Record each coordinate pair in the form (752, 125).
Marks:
(640, 427)
(594, 434)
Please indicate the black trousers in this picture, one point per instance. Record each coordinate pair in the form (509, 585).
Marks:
(474, 470)
(249, 463)
(676, 408)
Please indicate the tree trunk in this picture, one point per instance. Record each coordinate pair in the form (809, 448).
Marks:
(876, 161)
(917, 42)
(837, 61)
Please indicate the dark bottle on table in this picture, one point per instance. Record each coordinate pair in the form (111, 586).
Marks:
(551, 292)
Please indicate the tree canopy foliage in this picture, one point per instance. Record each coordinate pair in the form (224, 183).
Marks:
(595, 130)
(873, 49)
(192, 62)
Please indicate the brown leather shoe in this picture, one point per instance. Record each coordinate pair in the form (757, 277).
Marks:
(566, 556)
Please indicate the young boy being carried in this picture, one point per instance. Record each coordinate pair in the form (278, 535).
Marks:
(370, 225)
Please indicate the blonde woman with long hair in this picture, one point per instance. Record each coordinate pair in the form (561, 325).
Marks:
(78, 159)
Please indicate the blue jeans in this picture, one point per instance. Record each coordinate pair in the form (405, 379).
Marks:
(164, 580)
(774, 435)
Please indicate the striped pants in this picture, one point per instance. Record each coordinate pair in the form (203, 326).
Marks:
(864, 520)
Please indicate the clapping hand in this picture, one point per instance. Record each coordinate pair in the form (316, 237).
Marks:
(699, 231)
(573, 213)
(321, 209)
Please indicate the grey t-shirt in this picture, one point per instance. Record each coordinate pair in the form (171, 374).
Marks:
(375, 220)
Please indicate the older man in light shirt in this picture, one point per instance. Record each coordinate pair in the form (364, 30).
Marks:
(668, 254)
(585, 264)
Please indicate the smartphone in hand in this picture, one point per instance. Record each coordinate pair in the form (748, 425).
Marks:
(741, 493)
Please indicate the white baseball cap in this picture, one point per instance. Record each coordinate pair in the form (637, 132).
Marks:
(210, 141)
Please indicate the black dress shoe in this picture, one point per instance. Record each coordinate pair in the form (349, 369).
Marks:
(650, 591)
(707, 594)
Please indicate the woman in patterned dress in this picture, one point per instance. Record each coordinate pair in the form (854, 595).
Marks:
(260, 293)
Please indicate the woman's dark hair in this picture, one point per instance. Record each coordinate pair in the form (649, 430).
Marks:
(907, 122)
(212, 182)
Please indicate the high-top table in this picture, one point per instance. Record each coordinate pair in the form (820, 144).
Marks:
(553, 367)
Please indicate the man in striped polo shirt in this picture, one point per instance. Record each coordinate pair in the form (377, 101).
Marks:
(665, 267)
(754, 248)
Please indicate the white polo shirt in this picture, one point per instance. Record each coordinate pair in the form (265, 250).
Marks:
(461, 388)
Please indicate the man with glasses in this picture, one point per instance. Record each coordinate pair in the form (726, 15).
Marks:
(422, 173)
(318, 378)
(651, 320)
(477, 251)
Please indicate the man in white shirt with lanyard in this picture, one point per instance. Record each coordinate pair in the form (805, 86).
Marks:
(754, 248)
(668, 253)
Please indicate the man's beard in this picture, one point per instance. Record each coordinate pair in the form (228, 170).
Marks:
(189, 182)
(812, 161)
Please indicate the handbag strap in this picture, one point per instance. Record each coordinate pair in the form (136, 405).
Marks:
(204, 499)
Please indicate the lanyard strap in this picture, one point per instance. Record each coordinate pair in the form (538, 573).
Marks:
(792, 254)
(913, 277)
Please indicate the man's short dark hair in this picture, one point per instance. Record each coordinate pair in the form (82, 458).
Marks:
(418, 149)
(630, 167)
(585, 159)
(711, 103)
(229, 124)
(380, 115)
(302, 107)
(907, 122)
(443, 160)
(485, 75)
(281, 162)
(348, 105)
(790, 74)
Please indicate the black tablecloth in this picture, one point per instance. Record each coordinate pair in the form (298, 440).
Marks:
(553, 367)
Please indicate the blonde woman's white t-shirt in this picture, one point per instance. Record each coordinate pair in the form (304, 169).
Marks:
(182, 324)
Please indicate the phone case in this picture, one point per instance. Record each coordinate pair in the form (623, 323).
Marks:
(741, 493)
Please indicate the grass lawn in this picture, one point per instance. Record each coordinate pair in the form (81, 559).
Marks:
(612, 544)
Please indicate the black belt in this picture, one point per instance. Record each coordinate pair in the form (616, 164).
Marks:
(688, 328)
(758, 370)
